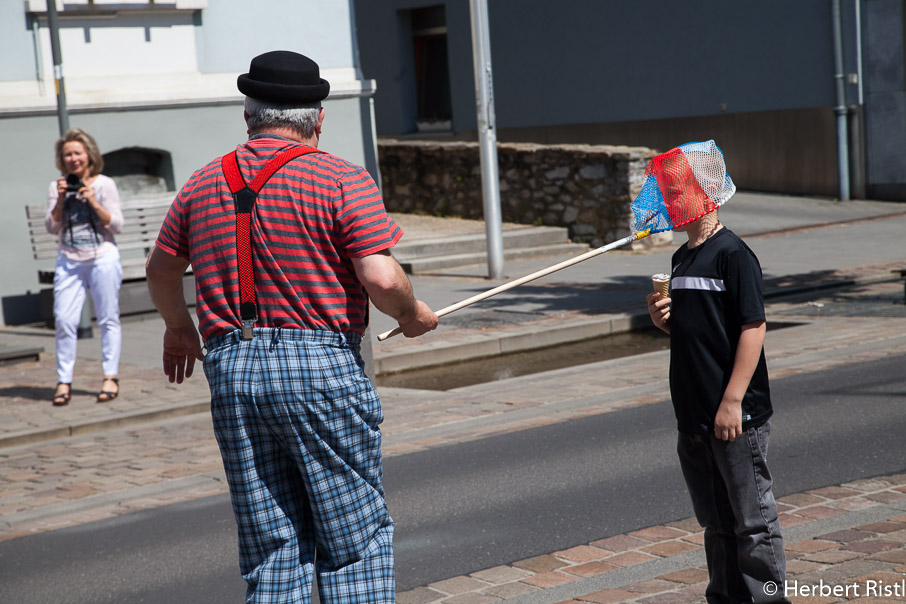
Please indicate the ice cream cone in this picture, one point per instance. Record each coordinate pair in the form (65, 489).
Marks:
(661, 283)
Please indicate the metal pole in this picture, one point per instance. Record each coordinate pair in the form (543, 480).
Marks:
(487, 135)
(840, 109)
(84, 330)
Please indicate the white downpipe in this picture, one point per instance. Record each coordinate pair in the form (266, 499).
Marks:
(861, 89)
(840, 110)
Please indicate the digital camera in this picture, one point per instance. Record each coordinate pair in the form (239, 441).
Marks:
(73, 183)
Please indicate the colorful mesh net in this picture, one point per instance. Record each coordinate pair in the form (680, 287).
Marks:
(681, 186)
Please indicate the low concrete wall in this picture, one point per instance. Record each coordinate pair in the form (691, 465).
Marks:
(586, 188)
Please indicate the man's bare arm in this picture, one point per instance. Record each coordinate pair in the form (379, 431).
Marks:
(182, 345)
(390, 291)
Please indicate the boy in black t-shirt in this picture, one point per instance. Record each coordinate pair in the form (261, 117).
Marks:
(719, 386)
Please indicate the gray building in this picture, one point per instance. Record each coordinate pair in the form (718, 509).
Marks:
(154, 81)
(758, 77)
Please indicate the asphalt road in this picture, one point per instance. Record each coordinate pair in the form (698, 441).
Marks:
(176, 554)
(494, 501)
(468, 507)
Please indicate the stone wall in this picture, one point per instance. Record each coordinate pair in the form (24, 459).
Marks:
(586, 188)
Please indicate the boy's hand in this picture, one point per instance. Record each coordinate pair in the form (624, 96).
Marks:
(659, 309)
(728, 421)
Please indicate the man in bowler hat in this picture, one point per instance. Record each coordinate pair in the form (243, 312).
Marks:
(286, 257)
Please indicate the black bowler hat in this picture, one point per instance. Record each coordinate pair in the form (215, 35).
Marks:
(285, 78)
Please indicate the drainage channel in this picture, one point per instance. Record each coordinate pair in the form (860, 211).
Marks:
(500, 367)
(490, 369)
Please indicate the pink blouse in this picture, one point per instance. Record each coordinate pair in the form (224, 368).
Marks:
(82, 237)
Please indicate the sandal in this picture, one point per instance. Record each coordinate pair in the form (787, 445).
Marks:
(105, 396)
(62, 398)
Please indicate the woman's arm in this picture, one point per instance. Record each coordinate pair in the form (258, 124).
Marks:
(109, 212)
(56, 195)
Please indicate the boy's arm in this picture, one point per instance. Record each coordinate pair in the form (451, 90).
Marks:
(728, 421)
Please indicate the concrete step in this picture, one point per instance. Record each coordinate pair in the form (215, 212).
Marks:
(14, 354)
(433, 263)
(427, 247)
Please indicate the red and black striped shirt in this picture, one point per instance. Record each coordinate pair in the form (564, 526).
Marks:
(310, 218)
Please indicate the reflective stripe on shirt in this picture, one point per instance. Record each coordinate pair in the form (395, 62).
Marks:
(700, 283)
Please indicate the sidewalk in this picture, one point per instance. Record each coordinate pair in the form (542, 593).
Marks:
(852, 536)
(153, 445)
(790, 236)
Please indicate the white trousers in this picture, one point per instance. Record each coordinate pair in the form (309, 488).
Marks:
(103, 278)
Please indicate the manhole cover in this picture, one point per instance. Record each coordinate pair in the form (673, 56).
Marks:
(884, 305)
(492, 318)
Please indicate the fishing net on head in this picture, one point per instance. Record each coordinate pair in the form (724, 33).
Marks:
(681, 186)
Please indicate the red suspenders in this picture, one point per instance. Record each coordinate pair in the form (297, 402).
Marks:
(244, 197)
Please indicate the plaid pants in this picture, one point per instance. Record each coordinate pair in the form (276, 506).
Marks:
(297, 421)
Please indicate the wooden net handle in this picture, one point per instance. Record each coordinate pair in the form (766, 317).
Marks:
(523, 280)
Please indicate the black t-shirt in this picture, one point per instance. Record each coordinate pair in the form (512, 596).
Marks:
(715, 288)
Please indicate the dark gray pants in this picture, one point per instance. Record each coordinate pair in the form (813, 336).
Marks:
(730, 485)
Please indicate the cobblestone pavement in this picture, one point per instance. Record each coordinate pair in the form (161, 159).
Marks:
(665, 564)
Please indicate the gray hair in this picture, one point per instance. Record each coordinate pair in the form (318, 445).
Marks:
(303, 119)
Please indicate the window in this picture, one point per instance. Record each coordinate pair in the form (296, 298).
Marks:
(432, 71)
(137, 170)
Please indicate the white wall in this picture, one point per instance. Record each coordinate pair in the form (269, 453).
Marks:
(162, 79)
(234, 30)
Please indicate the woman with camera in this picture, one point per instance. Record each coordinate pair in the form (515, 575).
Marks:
(83, 207)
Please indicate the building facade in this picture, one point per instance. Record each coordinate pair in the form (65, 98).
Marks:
(154, 82)
(759, 78)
